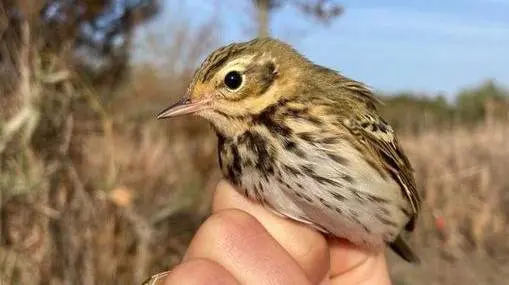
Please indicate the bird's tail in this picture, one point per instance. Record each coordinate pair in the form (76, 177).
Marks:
(400, 247)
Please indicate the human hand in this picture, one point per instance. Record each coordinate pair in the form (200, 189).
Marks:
(244, 243)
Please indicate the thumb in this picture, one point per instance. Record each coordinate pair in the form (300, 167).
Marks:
(351, 265)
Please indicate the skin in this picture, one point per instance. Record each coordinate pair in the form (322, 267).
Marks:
(251, 245)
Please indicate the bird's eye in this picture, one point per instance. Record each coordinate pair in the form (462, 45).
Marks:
(233, 80)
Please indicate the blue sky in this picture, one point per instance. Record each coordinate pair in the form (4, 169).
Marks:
(430, 46)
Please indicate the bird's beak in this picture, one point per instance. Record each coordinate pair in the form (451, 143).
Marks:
(183, 107)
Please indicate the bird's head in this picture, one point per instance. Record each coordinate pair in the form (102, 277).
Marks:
(240, 80)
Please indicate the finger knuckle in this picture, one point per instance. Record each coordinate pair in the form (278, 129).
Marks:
(231, 225)
(199, 271)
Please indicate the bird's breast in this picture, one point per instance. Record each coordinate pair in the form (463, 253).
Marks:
(325, 183)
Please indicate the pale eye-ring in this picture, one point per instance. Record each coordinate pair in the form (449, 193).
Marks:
(233, 80)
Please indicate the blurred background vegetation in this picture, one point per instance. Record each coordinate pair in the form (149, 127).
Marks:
(94, 190)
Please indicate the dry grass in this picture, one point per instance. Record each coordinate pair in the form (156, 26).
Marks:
(93, 190)
(462, 235)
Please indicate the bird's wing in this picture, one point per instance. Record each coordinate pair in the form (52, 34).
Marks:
(378, 137)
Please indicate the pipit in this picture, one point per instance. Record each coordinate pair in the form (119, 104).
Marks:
(306, 142)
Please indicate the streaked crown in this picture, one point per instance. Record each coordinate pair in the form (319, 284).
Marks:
(241, 79)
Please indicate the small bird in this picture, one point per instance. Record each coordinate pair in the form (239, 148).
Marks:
(306, 142)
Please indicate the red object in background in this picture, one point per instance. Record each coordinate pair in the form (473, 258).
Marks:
(440, 227)
(440, 223)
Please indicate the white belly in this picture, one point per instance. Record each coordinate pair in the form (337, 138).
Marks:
(355, 202)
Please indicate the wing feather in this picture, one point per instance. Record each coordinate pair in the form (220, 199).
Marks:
(379, 138)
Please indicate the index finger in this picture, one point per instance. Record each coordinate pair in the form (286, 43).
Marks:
(305, 245)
